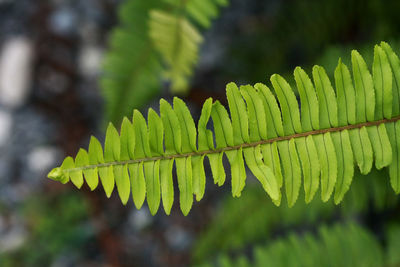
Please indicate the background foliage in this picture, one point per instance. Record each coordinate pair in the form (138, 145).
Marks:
(248, 41)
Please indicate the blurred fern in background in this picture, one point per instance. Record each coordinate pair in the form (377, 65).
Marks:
(154, 41)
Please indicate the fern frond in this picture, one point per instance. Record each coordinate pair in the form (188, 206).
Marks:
(131, 68)
(177, 39)
(279, 143)
(343, 245)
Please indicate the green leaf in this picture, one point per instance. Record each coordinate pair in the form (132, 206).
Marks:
(394, 62)
(362, 149)
(173, 140)
(310, 165)
(142, 146)
(344, 155)
(152, 177)
(291, 169)
(238, 171)
(199, 176)
(167, 186)
(188, 128)
(394, 168)
(365, 104)
(328, 112)
(138, 183)
(123, 183)
(262, 172)
(328, 163)
(256, 114)
(382, 76)
(156, 133)
(289, 105)
(184, 173)
(308, 99)
(112, 144)
(272, 111)
(381, 145)
(217, 168)
(346, 95)
(205, 136)
(222, 125)
(271, 159)
(239, 117)
(127, 140)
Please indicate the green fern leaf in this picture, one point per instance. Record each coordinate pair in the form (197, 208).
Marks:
(280, 144)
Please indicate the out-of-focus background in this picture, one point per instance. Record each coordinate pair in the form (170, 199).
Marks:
(62, 78)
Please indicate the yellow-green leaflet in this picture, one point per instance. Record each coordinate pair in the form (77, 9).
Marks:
(256, 114)
(345, 160)
(291, 170)
(239, 120)
(127, 140)
(328, 163)
(308, 99)
(152, 177)
(68, 163)
(362, 149)
(272, 111)
(172, 139)
(111, 144)
(167, 186)
(365, 104)
(289, 105)
(394, 62)
(382, 76)
(271, 159)
(345, 95)
(262, 172)
(122, 181)
(394, 168)
(328, 112)
(156, 133)
(381, 146)
(142, 147)
(199, 176)
(184, 173)
(238, 171)
(310, 165)
(188, 129)
(222, 125)
(138, 183)
(77, 176)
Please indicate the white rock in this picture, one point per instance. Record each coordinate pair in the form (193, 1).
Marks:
(90, 58)
(12, 239)
(140, 219)
(42, 158)
(5, 127)
(15, 71)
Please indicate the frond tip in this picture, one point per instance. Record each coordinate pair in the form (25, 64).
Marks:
(320, 143)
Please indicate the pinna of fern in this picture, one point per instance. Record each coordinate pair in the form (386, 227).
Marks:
(319, 144)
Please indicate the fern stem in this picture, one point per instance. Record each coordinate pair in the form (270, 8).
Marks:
(236, 147)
